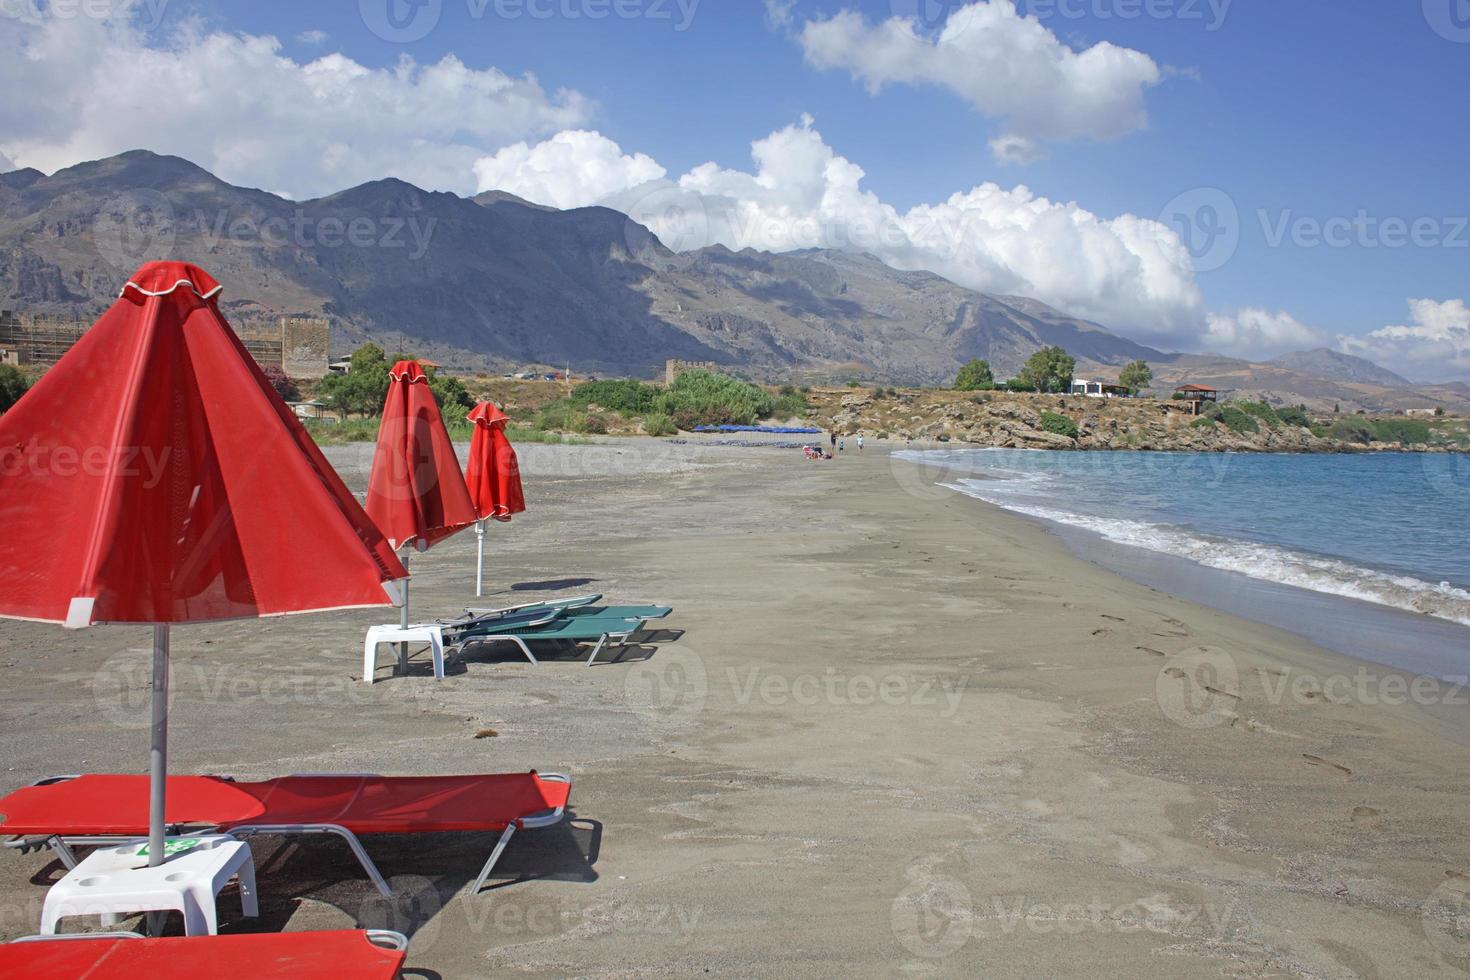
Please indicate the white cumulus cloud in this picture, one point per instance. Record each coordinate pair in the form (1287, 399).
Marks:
(312, 37)
(236, 105)
(1129, 272)
(1434, 347)
(1007, 66)
(6, 164)
(1258, 334)
(571, 170)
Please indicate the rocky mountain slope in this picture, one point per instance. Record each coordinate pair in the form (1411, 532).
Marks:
(494, 282)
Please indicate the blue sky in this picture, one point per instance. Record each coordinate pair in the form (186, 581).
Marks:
(1301, 113)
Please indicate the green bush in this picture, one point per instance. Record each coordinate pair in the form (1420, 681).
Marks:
(1059, 424)
(1351, 430)
(12, 386)
(1406, 431)
(658, 424)
(625, 395)
(589, 423)
(1019, 384)
(1203, 422)
(1261, 411)
(1238, 421)
(556, 417)
(1294, 415)
(706, 398)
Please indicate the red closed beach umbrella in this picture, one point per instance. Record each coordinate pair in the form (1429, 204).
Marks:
(416, 492)
(153, 475)
(493, 475)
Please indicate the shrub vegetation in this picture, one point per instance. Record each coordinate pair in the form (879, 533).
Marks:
(1059, 424)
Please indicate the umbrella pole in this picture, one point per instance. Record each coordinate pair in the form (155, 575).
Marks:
(158, 752)
(480, 558)
(403, 617)
(158, 762)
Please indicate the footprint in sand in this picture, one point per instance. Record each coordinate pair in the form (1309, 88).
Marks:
(1367, 816)
(1317, 760)
(1101, 631)
(1116, 619)
(1156, 653)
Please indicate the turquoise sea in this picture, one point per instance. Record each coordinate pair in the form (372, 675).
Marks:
(1391, 529)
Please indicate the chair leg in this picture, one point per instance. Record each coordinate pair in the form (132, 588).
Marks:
(436, 648)
(601, 642)
(494, 857)
(249, 898)
(369, 657)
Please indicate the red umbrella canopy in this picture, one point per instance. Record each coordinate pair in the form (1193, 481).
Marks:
(493, 473)
(153, 475)
(415, 492)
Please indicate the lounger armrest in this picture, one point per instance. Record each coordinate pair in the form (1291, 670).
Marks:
(387, 939)
(546, 818)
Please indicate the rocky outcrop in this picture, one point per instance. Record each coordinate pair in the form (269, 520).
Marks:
(1014, 421)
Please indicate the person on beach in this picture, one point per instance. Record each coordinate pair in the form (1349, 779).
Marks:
(841, 443)
(860, 442)
(833, 435)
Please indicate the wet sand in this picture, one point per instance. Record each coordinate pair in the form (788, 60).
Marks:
(889, 730)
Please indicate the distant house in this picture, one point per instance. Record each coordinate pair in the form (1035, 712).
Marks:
(340, 366)
(311, 410)
(1420, 411)
(1099, 389)
(1196, 395)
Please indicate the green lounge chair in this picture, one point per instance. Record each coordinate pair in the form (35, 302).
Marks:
(597, 629)
(626, 612)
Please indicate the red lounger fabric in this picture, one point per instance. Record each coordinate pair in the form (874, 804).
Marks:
(101, 805)
(297, 955)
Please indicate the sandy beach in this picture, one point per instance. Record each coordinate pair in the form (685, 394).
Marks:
(889, 730)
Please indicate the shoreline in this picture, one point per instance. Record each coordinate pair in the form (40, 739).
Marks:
(885, 730)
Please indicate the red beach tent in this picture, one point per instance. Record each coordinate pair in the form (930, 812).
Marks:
(494, 477)
(153, 475)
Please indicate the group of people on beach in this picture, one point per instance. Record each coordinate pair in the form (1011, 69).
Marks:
(838, 443)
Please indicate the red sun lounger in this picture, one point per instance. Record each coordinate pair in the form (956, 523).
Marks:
(372, 955)
(97, 809)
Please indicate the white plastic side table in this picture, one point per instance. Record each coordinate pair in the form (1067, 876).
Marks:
(431, 634)
(115, 881)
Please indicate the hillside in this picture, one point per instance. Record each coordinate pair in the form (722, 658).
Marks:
(494, 282)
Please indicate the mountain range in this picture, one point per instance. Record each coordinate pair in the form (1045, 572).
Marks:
(494, 282)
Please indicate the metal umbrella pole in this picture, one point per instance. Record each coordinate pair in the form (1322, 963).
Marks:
(403, 615)
(480, 557)
(158, 763)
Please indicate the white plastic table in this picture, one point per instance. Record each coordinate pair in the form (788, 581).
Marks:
(431, 634)
(115, 881)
